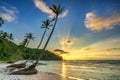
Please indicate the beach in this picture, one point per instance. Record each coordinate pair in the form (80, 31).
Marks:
(48, 76)
(68, 70)
(41, 75)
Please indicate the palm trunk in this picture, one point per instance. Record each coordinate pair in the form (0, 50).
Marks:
(38, 45)
(37, 60)
(42, 38)
(27, 43)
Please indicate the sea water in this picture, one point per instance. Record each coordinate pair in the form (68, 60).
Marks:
(87, 70)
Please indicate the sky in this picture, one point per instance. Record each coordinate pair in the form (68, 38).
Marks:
(86, 29)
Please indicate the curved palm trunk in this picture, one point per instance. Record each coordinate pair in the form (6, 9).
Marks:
(37, 60)
(42, 38)
(27, 43)
(37, 46)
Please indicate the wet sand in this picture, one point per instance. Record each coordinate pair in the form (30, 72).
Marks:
(48, 76)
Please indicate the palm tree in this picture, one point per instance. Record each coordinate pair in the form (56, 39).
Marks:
(25, 42)
(22, 46)
(5, 35)
(1, 34)
(31, 69)
(10, 37)
(1, 21)
(46, 25)
(30, 37)
(56, 10)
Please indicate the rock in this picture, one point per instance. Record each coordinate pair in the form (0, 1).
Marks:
(25, 71)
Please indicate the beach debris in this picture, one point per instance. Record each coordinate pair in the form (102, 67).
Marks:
(25, 71)
(22, 65)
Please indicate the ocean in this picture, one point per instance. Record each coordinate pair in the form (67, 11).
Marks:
(86, 70)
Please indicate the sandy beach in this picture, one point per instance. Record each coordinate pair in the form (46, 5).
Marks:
(48, 76)
(4, 75)
(68, 70)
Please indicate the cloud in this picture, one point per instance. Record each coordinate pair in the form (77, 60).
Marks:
(61, 51)
(112, 49)
(111, 44)
(8, 15)
(65, 13)
(44, 8)
(98, 23)
(87, 49)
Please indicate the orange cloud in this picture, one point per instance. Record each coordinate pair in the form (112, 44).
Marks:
(98, 23)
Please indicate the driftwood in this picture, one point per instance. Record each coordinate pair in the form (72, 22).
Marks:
(22, 65)
(11, 62)
(26, 71)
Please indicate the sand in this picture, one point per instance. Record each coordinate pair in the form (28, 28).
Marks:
(48, 76)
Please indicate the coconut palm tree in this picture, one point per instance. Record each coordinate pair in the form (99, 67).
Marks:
(5, 35)
(56, 10)
(31, 69)
(1, 32)
(45, 25)
(30, 37)
(22, 46)
(23, 43)
(1, 21)
(10, 37)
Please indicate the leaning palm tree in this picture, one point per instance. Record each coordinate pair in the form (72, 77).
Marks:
(28, 38)
(46, 25)
(56, 10)
(23, 44)
(22, 47)
(1, 21)
(31, 69)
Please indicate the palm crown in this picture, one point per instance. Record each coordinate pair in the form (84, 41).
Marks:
(1, 21)
(46, 24)
(29, 36)
(56, 9)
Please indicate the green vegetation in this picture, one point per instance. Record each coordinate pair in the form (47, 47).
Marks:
(14, 52)
(9, 52)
